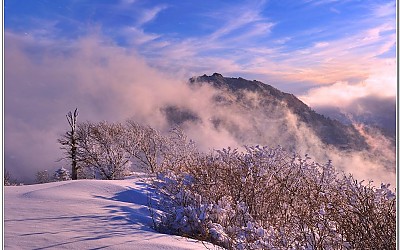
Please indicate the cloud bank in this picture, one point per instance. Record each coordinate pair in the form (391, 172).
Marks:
(108, 82)
(104, 81)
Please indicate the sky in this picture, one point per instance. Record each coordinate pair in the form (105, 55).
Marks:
(108, 57)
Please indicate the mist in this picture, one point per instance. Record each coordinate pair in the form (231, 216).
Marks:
(371, 110)
(44, 80)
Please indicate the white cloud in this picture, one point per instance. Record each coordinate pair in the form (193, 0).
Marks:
(380, 83)
(321, 45)
(321, 2)
(128, 1)
(334, 10)
(244, 18)
(138, 37)
(147, 15)
(384, 10)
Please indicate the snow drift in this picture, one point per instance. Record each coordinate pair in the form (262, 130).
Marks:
(84, 214)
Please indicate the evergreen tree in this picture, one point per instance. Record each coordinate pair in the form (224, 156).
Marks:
(62, 174)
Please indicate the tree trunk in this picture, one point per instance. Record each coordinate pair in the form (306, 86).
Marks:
(74, 161)
(74, 172)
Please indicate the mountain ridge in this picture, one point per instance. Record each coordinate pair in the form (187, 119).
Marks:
(331, 132)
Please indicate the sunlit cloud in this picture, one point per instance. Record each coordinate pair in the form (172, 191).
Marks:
(379, 83)
(338, 59)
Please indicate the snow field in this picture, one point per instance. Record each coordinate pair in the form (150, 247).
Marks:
(84, 214)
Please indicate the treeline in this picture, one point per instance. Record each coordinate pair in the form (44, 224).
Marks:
(109, 150)
(259, 198)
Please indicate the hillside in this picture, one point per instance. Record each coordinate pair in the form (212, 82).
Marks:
(232, 112)
(84, 214)
(330, 132)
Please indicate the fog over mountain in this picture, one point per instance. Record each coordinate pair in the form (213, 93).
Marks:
(215, 111)
(378, 112)
(251, 112)
(274, 104)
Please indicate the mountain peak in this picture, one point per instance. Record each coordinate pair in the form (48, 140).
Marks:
(233, 84)
(331, 132)
(217, 75)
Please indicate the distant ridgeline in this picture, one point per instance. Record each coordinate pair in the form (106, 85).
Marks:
(268, 107)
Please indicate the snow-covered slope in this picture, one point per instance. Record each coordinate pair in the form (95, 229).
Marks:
(84, 214)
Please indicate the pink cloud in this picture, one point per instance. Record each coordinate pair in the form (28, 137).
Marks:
(381, 82)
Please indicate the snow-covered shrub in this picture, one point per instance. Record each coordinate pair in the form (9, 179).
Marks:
(266, 198)
(101, 146)
(62, 174)
(261, 198)
(9, 180)
(144, 145)
(43, 176)
(365, 215)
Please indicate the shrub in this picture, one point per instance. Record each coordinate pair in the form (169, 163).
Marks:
(42, 176)
(265, 198)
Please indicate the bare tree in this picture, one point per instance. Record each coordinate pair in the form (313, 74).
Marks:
(101, 146)
(69, 144)
(144, 144)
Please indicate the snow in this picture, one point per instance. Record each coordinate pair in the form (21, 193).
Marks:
(85, 214)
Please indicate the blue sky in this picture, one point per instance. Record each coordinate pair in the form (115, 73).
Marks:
(117, 59)
(281, 42)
